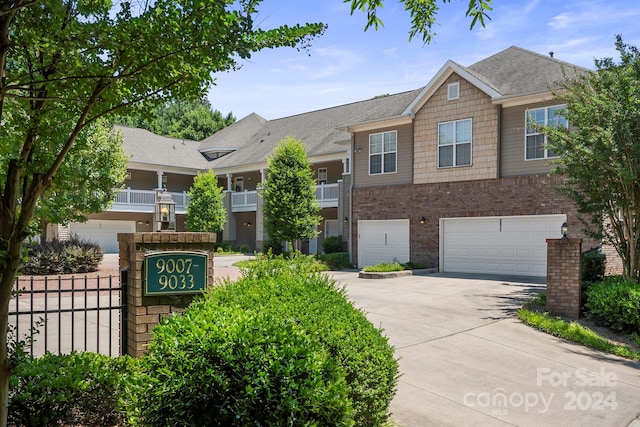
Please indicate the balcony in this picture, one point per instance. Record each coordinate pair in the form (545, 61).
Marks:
(244, 201)
(130, 200)
(247, 201)
(327, 195)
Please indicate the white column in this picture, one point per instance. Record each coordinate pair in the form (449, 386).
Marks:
(229, 183)
(160, 173)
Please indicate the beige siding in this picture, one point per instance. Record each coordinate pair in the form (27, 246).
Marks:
(473, 104)
(361, 177)
(512, 154)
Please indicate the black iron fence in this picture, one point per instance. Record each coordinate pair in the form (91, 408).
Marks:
(66, 314)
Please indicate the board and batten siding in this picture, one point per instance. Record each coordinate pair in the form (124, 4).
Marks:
(404, 165)
(512, 148)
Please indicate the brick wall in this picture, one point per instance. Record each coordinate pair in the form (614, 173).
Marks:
(524, 195)
(563, 277)
(145, 312)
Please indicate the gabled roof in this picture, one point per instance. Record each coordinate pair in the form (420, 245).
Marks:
(145, 147)
(233, 137)
(513, 72)
(517, 71)
(317, 129)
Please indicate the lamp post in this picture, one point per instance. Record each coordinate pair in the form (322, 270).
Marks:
(564, 229)
(165, 211)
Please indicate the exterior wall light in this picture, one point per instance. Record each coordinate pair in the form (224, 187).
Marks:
(165, 211)
(423, 220)
(346, 219)
(564, 229)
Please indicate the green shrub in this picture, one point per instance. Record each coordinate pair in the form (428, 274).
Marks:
(615, 302)
(75, 389)
(274, 247)
(593, 266)
(222, 246)
(332, 244)
(385, 267)
(280, 346)
(410, 265)
(57, 257)
(244, 249)
(336, 260)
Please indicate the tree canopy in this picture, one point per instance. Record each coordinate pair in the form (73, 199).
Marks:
(423, 14)
(205, 211)
(600, 152)
(290, 204)
(193, 120)
(65, 64)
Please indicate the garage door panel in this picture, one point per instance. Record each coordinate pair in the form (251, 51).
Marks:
(103, 232)
(383, 241)
(499, 245)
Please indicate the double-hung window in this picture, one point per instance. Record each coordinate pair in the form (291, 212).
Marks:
(454, 143)
(383, 148)
(535, 146)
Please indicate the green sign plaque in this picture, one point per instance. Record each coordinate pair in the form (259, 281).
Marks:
(171, 273)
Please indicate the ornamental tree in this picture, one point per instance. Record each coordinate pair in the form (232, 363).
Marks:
(65, 64)
(88, 181)
(205, 211)
(600, 154)
(290, 204)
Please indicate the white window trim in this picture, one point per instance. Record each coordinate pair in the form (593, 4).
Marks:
(546, 121)
(382, 172)
(456, 91)
(320, 178)
(454, 145)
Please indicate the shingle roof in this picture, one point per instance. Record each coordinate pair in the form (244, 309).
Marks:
(233, 136)
(317, 129)
(143, 146)
(517, 71)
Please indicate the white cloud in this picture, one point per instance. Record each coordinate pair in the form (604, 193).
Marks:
(531, 5)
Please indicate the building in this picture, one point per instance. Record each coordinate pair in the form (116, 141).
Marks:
(451, 174)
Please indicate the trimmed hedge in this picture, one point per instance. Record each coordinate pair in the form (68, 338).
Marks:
(277, 347)
(336, 260)
(57, 257)
(332, 244)
(593, 266)
(74, 389)
(615, 302)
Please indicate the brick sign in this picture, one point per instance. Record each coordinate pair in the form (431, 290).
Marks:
(173, 273)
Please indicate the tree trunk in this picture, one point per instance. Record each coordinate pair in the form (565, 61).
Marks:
(7, 280)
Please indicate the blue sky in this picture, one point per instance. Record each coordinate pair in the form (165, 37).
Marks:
(347, 64)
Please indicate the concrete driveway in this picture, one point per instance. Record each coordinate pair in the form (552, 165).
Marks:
(467, 360)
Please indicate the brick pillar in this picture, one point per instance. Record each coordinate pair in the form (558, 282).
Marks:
(563, 277)
(145, 312)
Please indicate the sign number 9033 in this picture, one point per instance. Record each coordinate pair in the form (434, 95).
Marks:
(175, 272)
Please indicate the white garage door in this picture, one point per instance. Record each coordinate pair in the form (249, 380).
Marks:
(498, 245)
(103, 232)
(383, 241)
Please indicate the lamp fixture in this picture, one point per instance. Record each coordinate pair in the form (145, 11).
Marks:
(346, 219)
(423, 220)
(165, 211)
(564, 229)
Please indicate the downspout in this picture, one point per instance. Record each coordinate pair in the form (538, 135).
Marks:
(350, 209)
(499, 145)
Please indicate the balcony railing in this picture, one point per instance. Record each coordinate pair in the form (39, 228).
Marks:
(144, 200)
(327, 195)
(244, 201)
(247, 201)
